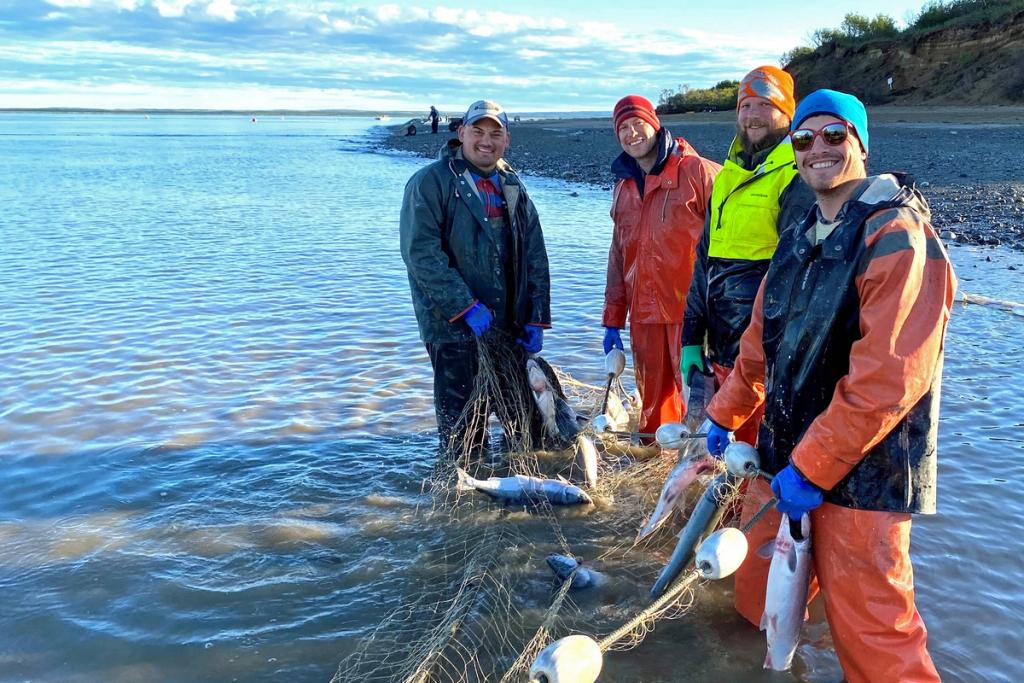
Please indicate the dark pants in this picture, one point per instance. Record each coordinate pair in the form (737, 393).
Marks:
(455, 368)
(433, 125)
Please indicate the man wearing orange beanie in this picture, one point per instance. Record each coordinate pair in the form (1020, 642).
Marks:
(659, 206)
(757, 194)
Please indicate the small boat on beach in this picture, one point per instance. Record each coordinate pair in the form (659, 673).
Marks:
(383, 117)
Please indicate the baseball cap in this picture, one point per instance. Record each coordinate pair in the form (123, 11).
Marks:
(485, 109)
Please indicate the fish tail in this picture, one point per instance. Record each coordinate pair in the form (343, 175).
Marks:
(465, 482)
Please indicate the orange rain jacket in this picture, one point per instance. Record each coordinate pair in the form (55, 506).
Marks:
(845, 349)
(650, 262)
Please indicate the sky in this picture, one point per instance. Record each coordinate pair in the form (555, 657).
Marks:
(528, 55)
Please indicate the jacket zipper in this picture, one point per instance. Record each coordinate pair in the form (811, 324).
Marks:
(756, 176)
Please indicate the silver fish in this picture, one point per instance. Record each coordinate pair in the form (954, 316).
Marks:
(563, 567)
(615, 410)
(522, 489)
(560, 420)
(586, 459)
(786, 597)
(636, 401)
(676, 483)
(543, 396)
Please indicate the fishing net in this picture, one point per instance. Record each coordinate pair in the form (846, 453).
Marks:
(481, 602)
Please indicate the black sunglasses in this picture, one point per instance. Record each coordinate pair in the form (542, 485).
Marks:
(833, 134)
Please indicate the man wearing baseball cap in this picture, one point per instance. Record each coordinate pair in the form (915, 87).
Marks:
(756, 195)
(659, 204)
(478, 269)
(844, 352)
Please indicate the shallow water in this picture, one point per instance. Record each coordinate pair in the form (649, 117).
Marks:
(215, 413)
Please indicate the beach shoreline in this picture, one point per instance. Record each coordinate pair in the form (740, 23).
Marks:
(965, 160)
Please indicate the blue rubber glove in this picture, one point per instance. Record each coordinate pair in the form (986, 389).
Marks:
(796, 495)
(718, 440)
(478, 318)
(534, 339)
(612, 340)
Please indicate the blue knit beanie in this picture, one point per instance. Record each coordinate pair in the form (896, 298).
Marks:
(839, 104)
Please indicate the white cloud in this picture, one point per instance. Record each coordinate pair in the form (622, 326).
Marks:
(171, 8)
(223, 9)
(392, 50)
(527, 53)
(388, 13)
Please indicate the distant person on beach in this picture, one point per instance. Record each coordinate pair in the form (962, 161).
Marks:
(844, 351)
(472, 243)
(756, 195)
(888, 81)
(434, 117)
(659, 204)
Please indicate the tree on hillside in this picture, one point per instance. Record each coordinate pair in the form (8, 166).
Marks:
(721, 96)
(858, 27)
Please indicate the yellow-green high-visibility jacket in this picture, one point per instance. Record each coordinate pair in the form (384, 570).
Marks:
(749, 208)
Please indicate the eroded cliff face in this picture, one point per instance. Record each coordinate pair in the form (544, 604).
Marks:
(982, 64)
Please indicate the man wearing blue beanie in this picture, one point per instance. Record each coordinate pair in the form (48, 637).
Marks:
(844, 351)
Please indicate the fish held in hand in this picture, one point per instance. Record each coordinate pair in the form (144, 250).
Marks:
(785, 602)
(525, 490)
(543, 395)
(676, 483)
(559, 419)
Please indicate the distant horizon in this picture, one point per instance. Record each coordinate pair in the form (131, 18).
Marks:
(273, 112)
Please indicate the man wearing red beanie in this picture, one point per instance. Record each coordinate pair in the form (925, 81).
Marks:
(659, 205)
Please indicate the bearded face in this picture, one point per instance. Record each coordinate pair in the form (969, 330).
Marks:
(760, 125)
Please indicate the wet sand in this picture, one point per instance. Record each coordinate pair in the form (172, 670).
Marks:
(966, 160)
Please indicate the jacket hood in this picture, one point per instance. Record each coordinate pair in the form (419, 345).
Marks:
(892, 190)
(450, 150)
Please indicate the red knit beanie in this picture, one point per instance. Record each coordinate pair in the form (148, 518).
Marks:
(635, 105)
(771, 83)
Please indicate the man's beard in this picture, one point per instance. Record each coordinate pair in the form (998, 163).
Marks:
(770, 140)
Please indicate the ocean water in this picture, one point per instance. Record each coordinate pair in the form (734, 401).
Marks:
(215, 412)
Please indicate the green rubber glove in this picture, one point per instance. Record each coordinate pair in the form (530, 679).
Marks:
(693, 357)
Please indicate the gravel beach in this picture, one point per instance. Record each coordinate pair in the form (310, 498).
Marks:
(968, 162)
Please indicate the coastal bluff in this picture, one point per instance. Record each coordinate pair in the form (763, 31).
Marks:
(979, 64)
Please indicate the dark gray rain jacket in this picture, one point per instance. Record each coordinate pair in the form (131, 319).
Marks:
(454, 256)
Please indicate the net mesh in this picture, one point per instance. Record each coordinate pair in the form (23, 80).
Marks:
(484, 603)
